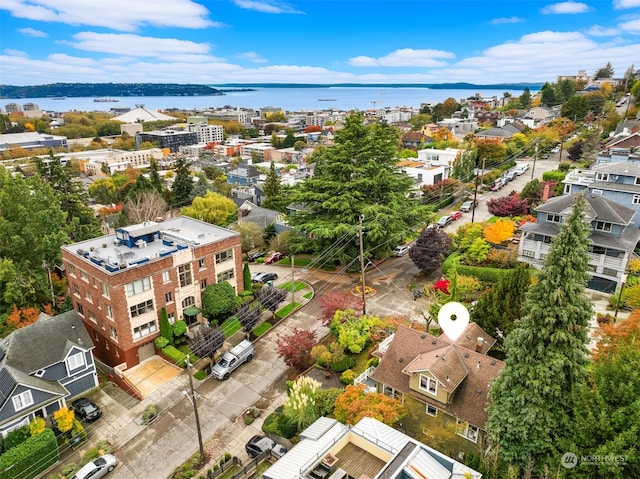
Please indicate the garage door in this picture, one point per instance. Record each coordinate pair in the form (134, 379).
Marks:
(146, 351)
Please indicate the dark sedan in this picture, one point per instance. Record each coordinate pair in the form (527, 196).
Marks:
(86, 409)
(264, 277)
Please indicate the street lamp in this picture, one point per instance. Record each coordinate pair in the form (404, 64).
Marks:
(193, 402)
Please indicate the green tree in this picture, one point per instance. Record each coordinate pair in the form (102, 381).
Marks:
(182, 185)
(213, 208)
(272, 188)
(154, 177)
(604, 72)
(549, 95)
(218, 301)
(166, 331)
(465, 163)
(251, 233)
(525, 98)
(498, 310)
(357, 177)
(530, 408)
(246, 277)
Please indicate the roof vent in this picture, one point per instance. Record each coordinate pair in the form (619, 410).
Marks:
(433, 341)
(401, 360)
(493, 363)
(422, 336)
(479, 391)
(466, 355)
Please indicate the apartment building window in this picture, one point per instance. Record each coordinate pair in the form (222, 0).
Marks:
(203, 283)
(109, 311)
(113, 332)
(105, 290)
(141, 308)
(75, 361)
(224, 256)
(171, 317)
(431, 410)
(92, 316)
(72, 270)
(190, 301)
(225, 275)
(603, 226)
(166, 276)
(138, 286)
(76, 291)
(80, 309)
(84, 276)
(144, 330)
(22, 400)
(88, 297)
(168, 297)
(184, 274)
(202, 263)
(428, 384)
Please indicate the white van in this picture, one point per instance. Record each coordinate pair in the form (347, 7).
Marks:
(521, 168)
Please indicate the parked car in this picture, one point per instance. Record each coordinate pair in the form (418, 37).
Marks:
(400, 250)
(521, 168)
(251, 257)
(231, 360)
(468, 205)
(259, 444)
(86, 409)
(97, 468)
(444, 221)
(264, 278)
(274, 257)
(499, 183)
(510, 175)
(555, 149)
(455, 215)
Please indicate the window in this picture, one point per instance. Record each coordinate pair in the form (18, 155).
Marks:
(76, 291)
(105, 290)
(636, 200)
(610, 272)
(201, 263)
(75, 361)
(109, 311)
(22, 400)
(80, 309)
(528, 253)
(554, 218)
(39, 373)
(428, 384)
(602, 176)
(603, 226)
(468, 431)
(614, 253)
(141, 308)
(72, 269)
(203, 283)
(92, 316)
(144, 330)
(190, 301)
(225, 275)
(184, 273)
(84, 276)
(166, 276)
(389, 392)
(168, 298)
(171, 317)
(567, 189)
(224, 256)
(597, 249)
(113, 332)
(138, 286)
(431, 410)
(88, 297)
(637, 182)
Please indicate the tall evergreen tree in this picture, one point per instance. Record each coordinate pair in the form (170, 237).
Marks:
(272, 188)
(154, 177)
(166, 331)
(358, 177)
(525, 98)
(530, 408)
(182, 185)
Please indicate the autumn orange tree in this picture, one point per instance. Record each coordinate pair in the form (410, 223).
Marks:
(19, 318)
(610, 337)
(499, 231)
(354, 404)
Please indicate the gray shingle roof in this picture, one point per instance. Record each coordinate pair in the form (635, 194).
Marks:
(598, 208)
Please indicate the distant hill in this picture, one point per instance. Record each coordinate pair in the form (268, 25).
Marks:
(434, 86)
(106, 90)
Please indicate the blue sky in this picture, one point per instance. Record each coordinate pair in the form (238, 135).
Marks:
(313, 41)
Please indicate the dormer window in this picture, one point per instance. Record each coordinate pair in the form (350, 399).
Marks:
(602, 176)
(75, 361)
(22, 400)
(428, 384)
(554, 218)
(603, 226)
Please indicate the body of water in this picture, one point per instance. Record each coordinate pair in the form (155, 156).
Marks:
(289, 99)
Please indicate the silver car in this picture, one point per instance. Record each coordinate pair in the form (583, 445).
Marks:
(97, 468)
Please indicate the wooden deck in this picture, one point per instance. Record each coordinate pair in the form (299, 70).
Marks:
(356, 461)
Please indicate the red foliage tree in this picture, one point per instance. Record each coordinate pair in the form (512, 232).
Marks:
(19, 318)
(295, 348)
(312, 128)
(354, 404)
(510, 205)
(337, 301)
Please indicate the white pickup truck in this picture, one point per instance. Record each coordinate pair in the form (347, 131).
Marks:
(241, 353)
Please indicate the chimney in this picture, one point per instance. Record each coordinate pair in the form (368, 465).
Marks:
(545, 193)
(479, 345)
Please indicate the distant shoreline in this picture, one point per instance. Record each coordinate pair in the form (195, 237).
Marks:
(434, 86)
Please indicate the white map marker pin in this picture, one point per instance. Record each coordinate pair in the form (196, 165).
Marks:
(453, 319)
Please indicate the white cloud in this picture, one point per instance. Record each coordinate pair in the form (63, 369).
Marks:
(623, 4)
(69, 60)
(252, 57)
(15, 53)
(632, 26)
(506, 20)
(600, 31)
(31, 32)
(266, 7)
(566, 7)
(405, 57)
(120, 15)
(136, 45)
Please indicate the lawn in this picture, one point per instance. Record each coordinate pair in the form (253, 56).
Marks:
(287, 310)
(299, 285)
(230, 326)
(261, 329)
(308, 295)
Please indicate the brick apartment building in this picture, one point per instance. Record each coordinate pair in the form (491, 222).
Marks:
(120, 282)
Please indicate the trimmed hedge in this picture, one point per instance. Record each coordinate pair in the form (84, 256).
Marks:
(35, 455)
(483, 273)
(175, 355)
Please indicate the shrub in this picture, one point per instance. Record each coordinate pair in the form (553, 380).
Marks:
(325, 400)
(556, 176)
(564, 166)
(248, 420)
(16, 437)
(321, 355)
(179, 328)
(149, 414)
(161, 342)
(348, 376)
(226, 457)
(22, 457)
(373, 362)
(175, 355)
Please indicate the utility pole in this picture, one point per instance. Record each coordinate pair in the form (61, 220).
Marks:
(475, 193)
(364, 296)
(535, 158)
(293, 281)
(195, 410)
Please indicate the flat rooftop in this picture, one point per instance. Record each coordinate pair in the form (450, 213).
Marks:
(146, 242)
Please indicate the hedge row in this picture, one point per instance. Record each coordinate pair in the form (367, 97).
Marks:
(483, 273)
(30, 458)
(176, 355)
